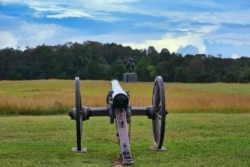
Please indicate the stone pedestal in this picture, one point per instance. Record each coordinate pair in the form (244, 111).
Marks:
(129, 77)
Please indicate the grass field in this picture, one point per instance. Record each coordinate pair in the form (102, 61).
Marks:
(46, 97)
(207, 125)
(191, 140)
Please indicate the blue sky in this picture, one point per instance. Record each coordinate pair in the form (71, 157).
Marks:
(209, 26)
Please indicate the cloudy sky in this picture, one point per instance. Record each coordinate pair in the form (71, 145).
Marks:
(209, 26)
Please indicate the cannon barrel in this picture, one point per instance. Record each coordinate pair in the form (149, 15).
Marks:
(119, 96)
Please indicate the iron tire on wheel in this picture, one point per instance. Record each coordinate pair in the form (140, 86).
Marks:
(158, 120)
(78, 114)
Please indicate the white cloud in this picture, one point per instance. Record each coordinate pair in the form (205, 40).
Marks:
(234, 17)
(34, 34)
(172, 43)
(235, 56)
(162, 24)
(7, 40)
(37, 33)
(233, 38)
(69, 13)
(188, 49)
(97, 9)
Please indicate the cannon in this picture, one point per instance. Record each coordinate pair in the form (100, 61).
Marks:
(119, 110)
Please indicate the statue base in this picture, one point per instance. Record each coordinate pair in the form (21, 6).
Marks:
(129, 77)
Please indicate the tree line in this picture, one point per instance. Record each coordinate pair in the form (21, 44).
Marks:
(97, 61)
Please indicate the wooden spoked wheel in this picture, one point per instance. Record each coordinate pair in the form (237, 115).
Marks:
(159, 113)
(78, 114)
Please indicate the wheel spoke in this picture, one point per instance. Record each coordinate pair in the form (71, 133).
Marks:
(158, 109)
(158, 115)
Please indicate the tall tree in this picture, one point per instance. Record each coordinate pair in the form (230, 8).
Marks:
(143, 69)
(196, 71)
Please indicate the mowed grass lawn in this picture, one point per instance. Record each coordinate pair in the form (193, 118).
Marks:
(207, 125)
(193, 139)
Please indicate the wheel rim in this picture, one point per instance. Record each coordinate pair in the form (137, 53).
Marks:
(78, 114)
(158, 120)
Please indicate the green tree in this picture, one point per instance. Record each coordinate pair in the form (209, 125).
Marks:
(153, 55)
(65, 61)
(196, 70)
(94, 60)
(116, 70)
(245, 76)
(212, 76)
(82, 58)
(42, 62)
(181, 74)
(143, 69)
(166, 70)
(230, 77)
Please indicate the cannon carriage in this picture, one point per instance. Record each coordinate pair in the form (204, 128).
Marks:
(120, 112)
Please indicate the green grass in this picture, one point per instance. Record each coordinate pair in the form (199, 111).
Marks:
(191, 140)
(208, 125)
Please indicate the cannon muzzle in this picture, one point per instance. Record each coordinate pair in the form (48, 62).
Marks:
(119, 96)
(120, 101)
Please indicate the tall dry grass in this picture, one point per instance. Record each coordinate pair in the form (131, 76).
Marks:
(189, 100)
(41, 97)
